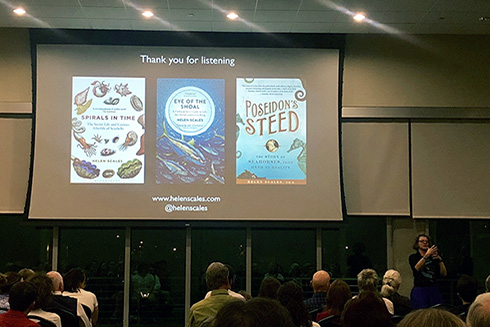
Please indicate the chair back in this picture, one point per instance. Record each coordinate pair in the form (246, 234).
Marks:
(330, 321)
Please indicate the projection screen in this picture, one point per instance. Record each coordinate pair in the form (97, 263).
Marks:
(186, 133)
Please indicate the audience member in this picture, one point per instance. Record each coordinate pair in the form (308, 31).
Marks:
(60, 304)
(427, 266)
(479, 312)
(367, 280)
(366, 310)
(431, 318)
(320, 283)
(258, 312)
(358, 261)
(75, 281)
(467, 289)
(21, 299)
(231, 277)
(338, 295)
(44, 288)
(275, 271)
(268, 288)
(26, 274)
(391, 283)
(203, 312)
(290, 295)
(6, 282)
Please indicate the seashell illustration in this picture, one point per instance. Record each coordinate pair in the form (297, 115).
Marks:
(107, 152)
(85, 169)
(142, 146)
(100, 89)
(114, 140)
(136, 103)
(81, 97)
(130, 169)
(111, 101)
(83, 107)
(131, 140)
(108, 173)
(122, 89)
(141, 121)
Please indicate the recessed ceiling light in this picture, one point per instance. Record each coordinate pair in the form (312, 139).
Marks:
(19, 11)
(484, 19)
(147, 13)
(190, 15)
(359, 17)
(232, 15)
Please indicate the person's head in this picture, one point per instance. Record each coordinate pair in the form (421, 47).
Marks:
(44, 288)
(467, 288)
(320, 281)
(338, 294)
(431, 318)
(391, 282)
(366, 310)
(290, 295)
(9, 279)
(269, 287)
(479, 312)
(367, 280)
(74, 280)
(487, 283)
(422, 241)
(257, 312)
(231, 274)
(57, 280)
(22, 296)
(217, 276)
(26, 273)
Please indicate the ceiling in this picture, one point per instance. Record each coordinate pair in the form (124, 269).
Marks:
(274, 16)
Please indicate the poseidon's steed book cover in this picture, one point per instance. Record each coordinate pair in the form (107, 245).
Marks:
(270, 131)
(190, 144)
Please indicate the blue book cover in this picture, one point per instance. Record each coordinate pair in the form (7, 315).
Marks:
(271, 131)
(190, 144)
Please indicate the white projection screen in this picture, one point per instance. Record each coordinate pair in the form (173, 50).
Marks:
(186, 133)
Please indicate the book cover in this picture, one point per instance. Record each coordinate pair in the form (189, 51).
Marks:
(190, 121)
(108, 129)
(270, 131)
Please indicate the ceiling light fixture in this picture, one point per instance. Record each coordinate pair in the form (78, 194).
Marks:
(19, 11)
(484, 19)
(232, 15)
(147, 14)
(359, 17)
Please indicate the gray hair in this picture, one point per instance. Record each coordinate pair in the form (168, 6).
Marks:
(216, 275)
(479, 312)
(367, 280)
(391, 282)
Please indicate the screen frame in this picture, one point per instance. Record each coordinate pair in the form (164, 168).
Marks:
(184, 39)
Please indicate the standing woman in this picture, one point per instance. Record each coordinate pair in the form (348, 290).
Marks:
(74, 282)
(427, 266)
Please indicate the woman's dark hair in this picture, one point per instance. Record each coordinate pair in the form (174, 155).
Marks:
(291, 297)
(416, 242)
(269, 287)
(257, 312)
(44, 287)
(338, 294)
(367, 310)
(74, 279)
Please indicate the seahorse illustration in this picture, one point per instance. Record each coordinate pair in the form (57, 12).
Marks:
(297, 143)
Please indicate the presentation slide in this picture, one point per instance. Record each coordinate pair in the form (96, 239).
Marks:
(186, 133)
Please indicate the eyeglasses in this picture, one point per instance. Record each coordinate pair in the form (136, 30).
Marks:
(423, 241)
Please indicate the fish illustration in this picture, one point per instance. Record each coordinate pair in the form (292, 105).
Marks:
(173, 167)
(184, 148)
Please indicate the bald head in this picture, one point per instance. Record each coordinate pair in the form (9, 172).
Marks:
(57, 280)
(320, 281)
(479, 312)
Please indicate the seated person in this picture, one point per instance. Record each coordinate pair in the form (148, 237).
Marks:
(21, 299)
(44, 287)
(75, 281)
